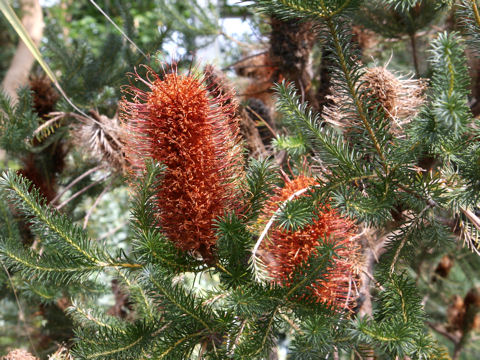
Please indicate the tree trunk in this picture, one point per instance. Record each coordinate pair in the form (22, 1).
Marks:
(22, 62)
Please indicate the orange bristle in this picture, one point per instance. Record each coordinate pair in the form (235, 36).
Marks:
(286, 250)
(195, 135)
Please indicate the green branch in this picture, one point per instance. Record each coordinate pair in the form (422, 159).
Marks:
(182, 308)
(351, 87)
(178, 342)
(115, 351)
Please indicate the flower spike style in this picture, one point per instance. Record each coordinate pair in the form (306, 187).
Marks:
(286, 250)
(177, 122)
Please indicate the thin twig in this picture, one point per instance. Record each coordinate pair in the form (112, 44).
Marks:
(69, 186)
(237, 338)
(80, 192)
(442, 331)
(404, 240)
(97, 201)
(414, 54)
(370, 276)
(243, 59)
(262, 120)
(119, 30)
(238, 42)
(112, 231)
(49, 123)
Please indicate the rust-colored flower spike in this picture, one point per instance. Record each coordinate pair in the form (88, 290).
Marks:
(178, 122)
(286, 250)
(399, 98)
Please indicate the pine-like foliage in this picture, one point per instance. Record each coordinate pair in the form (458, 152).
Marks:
(229, 259)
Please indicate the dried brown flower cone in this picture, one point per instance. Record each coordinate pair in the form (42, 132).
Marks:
(444, 266)
(324, 78)
(456, 314)
(220, 88)
(19, 354)
(123, 304)
(44, 95)
(259, 113)
(248, 129)
(473, 298)
(399, 99)
(103, 139)
(258, 67)
(263, 74)
(365, 38)
(42, 168)
(37, 170)
(463, 315)
(61, 354)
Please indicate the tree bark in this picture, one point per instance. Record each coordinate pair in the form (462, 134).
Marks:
(22, 62)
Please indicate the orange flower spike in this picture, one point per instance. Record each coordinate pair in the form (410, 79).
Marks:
(286, 249)
(177, 123)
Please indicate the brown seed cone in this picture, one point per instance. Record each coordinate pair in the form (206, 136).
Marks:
(456, 313)
(444, 266)
(263, 74)
(220, 88)
(365, 38)
(44, 95)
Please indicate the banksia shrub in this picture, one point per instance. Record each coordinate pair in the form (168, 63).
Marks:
(287, 249)
(177, 122)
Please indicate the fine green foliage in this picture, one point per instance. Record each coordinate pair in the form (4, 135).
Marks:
(396, 325)
(397, 18)
(450, 85)
(71, 256)
(260, 180)
(468, 12)
(17, 122)
(314, 10)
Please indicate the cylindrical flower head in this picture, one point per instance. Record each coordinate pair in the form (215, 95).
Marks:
(286, 250)
(177, 123)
